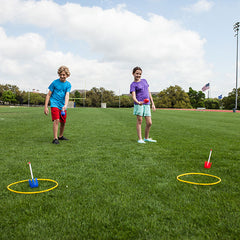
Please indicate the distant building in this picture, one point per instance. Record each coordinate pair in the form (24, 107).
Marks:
(35, 91)
(154, 93)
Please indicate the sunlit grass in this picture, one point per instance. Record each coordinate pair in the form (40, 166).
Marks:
(110, 187)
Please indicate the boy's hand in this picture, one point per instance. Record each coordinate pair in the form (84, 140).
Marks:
(64, 108)
(46, 111)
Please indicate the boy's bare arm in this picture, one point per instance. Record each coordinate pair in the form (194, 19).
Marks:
(66, 101)
(46, 102)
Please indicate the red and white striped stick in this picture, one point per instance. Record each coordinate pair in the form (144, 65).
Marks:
(31, 170)
(209, 156)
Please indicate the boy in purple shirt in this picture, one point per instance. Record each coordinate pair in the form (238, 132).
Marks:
(141, 95)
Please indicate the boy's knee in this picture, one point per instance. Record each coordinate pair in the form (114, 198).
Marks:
(56, 121)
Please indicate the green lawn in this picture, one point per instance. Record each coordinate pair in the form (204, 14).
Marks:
(111, 187)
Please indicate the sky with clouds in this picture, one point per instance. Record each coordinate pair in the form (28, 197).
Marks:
(176, 42)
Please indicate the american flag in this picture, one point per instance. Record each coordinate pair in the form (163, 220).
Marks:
(206, 87)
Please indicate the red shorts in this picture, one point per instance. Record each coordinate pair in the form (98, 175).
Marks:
(56, 114)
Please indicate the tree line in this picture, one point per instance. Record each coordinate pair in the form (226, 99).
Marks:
(171, 97)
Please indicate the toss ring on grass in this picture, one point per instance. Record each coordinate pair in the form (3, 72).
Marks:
(205, 184)
(39, 179)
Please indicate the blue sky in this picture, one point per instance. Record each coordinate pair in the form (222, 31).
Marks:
(177, 42)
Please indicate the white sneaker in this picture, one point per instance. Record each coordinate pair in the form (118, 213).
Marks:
(149, 140)
(141, 141)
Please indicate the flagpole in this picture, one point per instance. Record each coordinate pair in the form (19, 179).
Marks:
(236, 29)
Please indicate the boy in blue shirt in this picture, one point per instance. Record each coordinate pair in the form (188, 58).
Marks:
(58, 95)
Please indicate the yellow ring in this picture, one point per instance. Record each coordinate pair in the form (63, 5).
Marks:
(205, 184)
(39, 179)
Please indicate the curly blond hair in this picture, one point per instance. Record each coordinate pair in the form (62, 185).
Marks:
(64, 69)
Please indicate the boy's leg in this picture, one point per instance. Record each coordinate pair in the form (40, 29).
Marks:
(62, 126)
(148, 126)
(139, 129)
(55, 128)
(55, 112)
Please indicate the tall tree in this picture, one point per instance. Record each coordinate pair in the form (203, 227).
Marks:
(126, 101)
(9, 96)
(196, 98)
(212, 103)
(93, 97)
(77, 95)
(173, 97)
(10, 87)
(229, 101)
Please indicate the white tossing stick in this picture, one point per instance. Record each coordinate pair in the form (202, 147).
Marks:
(209, 156)
(30, 169)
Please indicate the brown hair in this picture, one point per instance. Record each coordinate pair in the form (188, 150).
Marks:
(135, 69)
(64, 69)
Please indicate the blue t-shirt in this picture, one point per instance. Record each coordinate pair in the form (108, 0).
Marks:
(59, 90)
(141, 90)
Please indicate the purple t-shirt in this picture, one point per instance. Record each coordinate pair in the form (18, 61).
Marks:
(141, 90)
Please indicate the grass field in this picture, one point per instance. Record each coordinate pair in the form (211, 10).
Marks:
(110, 187)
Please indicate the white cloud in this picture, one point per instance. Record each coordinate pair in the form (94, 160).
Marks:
(200, 6)
(25, 46)
(168, 53)
(28, 64)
